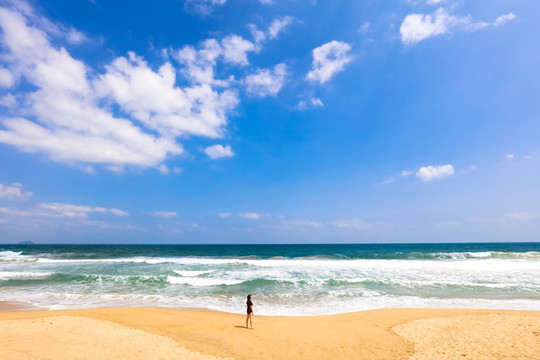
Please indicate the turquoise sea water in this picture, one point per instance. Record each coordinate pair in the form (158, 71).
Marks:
(284, 279)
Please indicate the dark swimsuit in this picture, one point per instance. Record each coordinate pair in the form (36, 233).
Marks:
(249, 305)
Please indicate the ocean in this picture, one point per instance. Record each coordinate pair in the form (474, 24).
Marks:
(283, 279)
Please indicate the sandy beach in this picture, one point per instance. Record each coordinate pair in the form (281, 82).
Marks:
(158, 333)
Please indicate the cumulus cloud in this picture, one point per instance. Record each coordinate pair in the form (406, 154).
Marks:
(510, 156)
(428, 173)
(418, 27)
(69, 117)
(235, 49)
(218, 151)
(224, 214)
(14, 192)
(266, 82)
(328, 60)
(153, 99)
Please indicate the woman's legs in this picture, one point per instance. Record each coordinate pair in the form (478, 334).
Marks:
(249, 318)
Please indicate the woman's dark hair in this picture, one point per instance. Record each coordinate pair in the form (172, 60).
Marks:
(249, 297)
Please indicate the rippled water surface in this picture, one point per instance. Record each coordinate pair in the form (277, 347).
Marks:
(284, 279)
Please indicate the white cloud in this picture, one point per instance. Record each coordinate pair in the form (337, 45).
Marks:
(522, 216)
(69, 116)
(266, 82)
(267, 2)
(316, 102)
(406, 173)
(507, 219)
(218, 151)
(469, 169)
(75, 37)
(153, 99)
(89, 169)
(435, 2)
(278, 25)
(78, 211)
(306, 104)
(364, 28)
(352, 224)
(224, 214)
(165, 214)
(177, 170)
(447, 224)
(203, 7)
(510, 156)
(9, 212)
(6, 78)
(418, 27)
(328, 60)
(163, 169)
(235, 49)
(251, 215)
(8, 100)
(302, 224)
(428, 173)
(14, 192)
(258, 35)
(200, 63)
(504, 19)
(388, 181)
(74, 214)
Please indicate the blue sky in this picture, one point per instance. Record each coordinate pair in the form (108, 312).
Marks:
(226, 121)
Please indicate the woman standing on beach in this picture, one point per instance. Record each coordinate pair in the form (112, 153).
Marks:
(249, 312)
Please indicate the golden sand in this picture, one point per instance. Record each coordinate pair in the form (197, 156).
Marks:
(156, 333)
(486, 336)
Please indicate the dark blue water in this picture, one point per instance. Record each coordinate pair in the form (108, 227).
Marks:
(291, 251)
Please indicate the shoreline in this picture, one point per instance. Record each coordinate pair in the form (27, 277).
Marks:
(373, 334)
